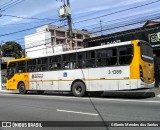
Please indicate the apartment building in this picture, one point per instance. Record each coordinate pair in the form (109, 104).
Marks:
(51, 39)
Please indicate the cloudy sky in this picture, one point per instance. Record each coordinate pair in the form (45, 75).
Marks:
(86, 14)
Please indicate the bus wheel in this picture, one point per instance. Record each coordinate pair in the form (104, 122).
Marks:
(40, 92)
(78, 89)
(22, 88)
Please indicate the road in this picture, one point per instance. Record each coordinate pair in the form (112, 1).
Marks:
(65, 107)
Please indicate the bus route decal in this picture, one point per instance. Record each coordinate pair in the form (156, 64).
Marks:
(114, 71)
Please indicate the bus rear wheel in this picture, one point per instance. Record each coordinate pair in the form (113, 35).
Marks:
(22, 88)
(78, 89)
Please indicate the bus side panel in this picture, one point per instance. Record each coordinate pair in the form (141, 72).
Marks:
(148, 72)
(142, 84)
(134, 66)
(109, 78)
(12, 84)
(66, 78)
(133, 83)
(44, 81)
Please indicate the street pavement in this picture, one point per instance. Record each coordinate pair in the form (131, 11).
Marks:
(122, 106)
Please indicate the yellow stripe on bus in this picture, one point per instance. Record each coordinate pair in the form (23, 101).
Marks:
(74, 79)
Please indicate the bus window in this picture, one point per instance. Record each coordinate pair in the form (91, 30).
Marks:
(146, 52)
(107, 57)
(31, 65)
(125, 54)
(54, 63)
(86, 59)
(42, 64)
(69, 61)
(11, 70)
(90, 59)
(21, 66)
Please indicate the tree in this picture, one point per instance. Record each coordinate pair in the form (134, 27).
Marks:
(12, 49)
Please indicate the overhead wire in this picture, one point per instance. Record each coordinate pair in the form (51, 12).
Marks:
(27, 17)
(117, 12)
(1, 6)
(28, 28)
(11, 5)
(79, 21)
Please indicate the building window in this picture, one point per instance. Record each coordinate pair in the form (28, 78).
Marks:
(79, 36)
(60, 33)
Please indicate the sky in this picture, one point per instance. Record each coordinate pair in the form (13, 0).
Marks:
(111, 13)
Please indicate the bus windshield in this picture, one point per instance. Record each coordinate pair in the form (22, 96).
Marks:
(11, 70)
(146, 52)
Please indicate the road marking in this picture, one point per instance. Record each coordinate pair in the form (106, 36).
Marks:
(77, 112)
(82, 98)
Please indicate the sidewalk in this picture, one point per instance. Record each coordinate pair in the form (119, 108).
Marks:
(8, 91)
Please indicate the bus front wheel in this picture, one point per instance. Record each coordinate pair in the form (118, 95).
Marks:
(22, 88)
(78, 89)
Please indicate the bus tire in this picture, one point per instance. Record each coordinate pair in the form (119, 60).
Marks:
(40, 92)
(78, 89)
(22, 88)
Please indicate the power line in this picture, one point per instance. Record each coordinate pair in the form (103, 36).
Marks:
(11, 5)
(83, 20)
(8, 15)
(125, 25)
(1, 6)
(40, 32)
(117, 12)
(151, 16)
(28, 29)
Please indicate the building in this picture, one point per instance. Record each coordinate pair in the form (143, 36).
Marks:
(152, 22)
(50, 39)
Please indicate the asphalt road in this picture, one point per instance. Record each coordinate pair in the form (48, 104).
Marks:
(65, 107)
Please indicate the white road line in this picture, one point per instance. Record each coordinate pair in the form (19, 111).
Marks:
(77, 112)
(99, 99)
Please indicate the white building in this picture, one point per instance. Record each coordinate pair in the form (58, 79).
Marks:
(50, 39)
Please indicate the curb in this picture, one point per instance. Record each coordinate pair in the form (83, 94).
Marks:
(8, 91)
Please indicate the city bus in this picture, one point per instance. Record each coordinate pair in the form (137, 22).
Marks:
(121, 66)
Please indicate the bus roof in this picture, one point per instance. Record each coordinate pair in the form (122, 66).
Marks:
(82, 50)
(20, 59)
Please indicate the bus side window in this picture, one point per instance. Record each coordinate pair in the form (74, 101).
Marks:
(31, 65)
(42, 64)
(69, 61)
(107, 57)
(51, 67)
(125, 54)
(21, 66)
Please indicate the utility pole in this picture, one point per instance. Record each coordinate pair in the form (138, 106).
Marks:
(64, 11)
(69, 18)
(101, 27)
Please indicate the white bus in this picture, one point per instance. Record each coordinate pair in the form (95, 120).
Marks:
(121, 66)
